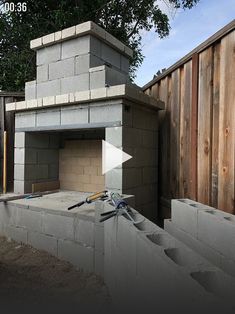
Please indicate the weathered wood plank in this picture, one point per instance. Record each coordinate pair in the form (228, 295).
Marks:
(215, 128)
(164, 138)
(194, 127)
(227, 125)
(45, 186)
(204, 126)
(185, 130)
(175, 135)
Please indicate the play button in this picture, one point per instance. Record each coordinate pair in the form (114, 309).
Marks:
(112, 157)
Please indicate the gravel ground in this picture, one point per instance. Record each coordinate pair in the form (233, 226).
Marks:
(33, 281)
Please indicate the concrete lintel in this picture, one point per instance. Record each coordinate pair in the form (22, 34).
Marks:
(70, 127)
(78, 31)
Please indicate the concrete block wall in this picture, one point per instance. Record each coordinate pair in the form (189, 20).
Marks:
(207, 230)
(67, 235)
(143, 266)
(146, 268)
(36, 160)
(138, 137)
(80, 163)
(64, 67)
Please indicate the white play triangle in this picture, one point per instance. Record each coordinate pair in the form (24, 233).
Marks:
(112, 157)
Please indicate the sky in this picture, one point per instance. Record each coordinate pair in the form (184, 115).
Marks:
(189, 28)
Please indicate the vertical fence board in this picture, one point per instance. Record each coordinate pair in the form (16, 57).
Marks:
(182, 131)
(185, 126)
(204, 126)
(164, 90)
(194, 127)
(215, 126)
(227, 124)
(175, 135)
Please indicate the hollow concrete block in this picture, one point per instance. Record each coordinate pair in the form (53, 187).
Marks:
(59, 226)
(77, 254)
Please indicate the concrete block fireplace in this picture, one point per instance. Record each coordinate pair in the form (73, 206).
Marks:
(82, 95)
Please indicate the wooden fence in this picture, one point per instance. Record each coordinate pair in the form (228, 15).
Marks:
(7, 124)
(197, 129)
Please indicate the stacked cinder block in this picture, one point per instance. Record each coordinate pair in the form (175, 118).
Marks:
(80, 166)
(138, 137)
(146, 268)
(77, 59)
(36, 159)
(67, 235)
(208, 231)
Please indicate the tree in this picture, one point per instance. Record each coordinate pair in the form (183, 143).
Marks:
(123, 18)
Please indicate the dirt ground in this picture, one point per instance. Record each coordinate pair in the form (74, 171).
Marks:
(36, 282)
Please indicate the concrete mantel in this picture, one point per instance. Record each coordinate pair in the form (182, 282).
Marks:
(113, 92)
(78, 31)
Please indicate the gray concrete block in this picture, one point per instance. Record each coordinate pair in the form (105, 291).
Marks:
(111, 56)
(95, 46)
(106, 76)
(74, 115)
(204, 250)
(43, 242)
(53, 171)
(49, 54)
(114, 179)
(75, 47)
(19, 155)
(48, 118)
(75, 83)
(61, 227)
(80, 256)
(31, 220)
(125, 64)
(132, 177)
(150, 121)
(19, 187)
(63, 68)
(30, 90)
(36, 140)
(99, 238)
(42, 73)
(106, 113)
(150, 175)
(216, 232)
(36, 172)
(19, 172)
(47, 156)
(150, 139)
(132, 137)
(98, 79)
(30, 156)
(54, 140)
(84, 232)
(126, 231)
(49, 88)
(85, 62)
(19, 139)
(185, 216)
(16, 233)
(115, 77)
(25, 120)
(114, 136)
(8, 214)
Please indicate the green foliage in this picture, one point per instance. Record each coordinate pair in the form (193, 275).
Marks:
(125, 19)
